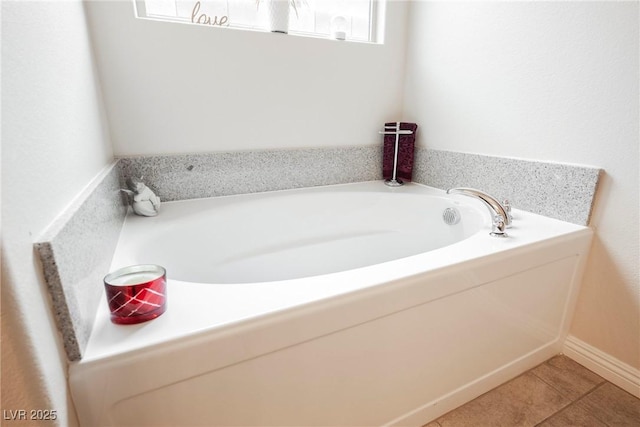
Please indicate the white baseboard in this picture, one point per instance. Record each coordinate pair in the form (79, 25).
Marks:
(608, 367)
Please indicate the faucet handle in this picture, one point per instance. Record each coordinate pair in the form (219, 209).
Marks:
(506, 204)
(498, 226)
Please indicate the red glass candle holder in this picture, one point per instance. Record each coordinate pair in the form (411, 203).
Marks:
(136, 294)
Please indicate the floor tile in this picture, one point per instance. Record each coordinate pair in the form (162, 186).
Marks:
(613, 405)
(524, 401)
(573, 416)
(570, 378)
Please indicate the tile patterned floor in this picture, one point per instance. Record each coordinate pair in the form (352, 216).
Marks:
(557, 393)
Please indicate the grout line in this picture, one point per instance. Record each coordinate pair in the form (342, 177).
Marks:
(575, 402)
(554, 414)
(592, 391)
(572, 402)
(437, 420)
(560, 391)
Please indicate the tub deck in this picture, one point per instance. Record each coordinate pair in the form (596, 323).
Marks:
(199, 307)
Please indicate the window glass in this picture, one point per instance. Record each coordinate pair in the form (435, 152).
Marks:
(313, 17)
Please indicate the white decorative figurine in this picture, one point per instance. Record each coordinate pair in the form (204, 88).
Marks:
(143, 200)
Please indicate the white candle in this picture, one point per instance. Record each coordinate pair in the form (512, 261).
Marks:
(134, 278)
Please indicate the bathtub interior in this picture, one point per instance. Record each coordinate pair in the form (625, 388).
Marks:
(293, 234)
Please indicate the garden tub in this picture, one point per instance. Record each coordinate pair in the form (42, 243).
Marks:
(354, 304)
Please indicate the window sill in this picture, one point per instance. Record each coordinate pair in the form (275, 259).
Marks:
(257, 30)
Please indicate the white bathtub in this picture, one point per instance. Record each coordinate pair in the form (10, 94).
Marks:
(344, 305)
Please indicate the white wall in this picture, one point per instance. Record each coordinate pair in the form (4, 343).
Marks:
(177, 88)
(549, 80)
(554, 81)
(54, 142)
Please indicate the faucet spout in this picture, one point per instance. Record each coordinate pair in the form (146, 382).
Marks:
(500, 218)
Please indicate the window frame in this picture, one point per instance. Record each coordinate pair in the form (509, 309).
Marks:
(376, 12)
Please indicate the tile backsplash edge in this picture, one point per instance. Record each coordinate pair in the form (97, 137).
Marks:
(75, 253)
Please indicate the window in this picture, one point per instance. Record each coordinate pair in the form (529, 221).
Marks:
(313, 17)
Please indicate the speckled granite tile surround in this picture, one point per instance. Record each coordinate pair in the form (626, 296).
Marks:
(191, 176)
(556, 190)
(76, 252)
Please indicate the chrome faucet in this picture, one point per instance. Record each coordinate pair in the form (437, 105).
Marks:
(500, 217)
